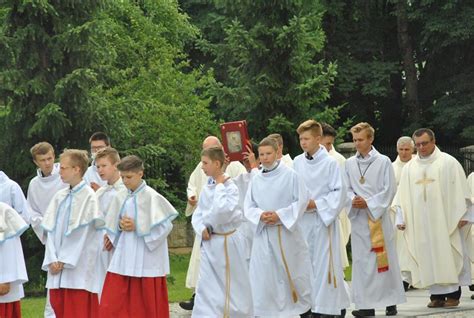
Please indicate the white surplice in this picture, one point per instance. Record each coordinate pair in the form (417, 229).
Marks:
(143, 252)
(40, 193)
(11, 194)
(70, 221)
(92, 175)
(397, 218)
(344, 222)
(12, 262)
(470, 245)
(324, 181)
(282, 191)
(197, 181)
(286, 159)
(433, 196)
(218, 208)
(105, 195)
(371, 289)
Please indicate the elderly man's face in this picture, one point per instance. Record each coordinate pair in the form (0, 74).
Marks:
(405, 151)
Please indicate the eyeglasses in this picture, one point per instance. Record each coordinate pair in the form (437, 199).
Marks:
(422, 144)
(95, 149)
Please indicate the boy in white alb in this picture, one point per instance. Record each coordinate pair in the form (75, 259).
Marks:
(12, 264)
(44, 186)
(224, 288)
(376, 277)
(41, 190)
(138, 222)
(106, 162)
(12, 195)
(324, 180)
(280, 267)
(71, 244)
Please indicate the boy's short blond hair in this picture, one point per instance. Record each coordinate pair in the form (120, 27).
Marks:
(109, 153)
(278, 138)
(215, 154)
(364, 126)
(310, 125)
(269, 141)
(131, 163)
(78, 158)
(41, 148)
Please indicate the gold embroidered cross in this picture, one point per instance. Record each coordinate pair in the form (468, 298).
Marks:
(425, 181)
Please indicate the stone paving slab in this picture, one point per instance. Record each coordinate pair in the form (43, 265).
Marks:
(414, 307)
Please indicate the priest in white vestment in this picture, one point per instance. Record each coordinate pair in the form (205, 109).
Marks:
(197, 181)
(405, 149)
(224, 287)
(11, 194)
(12, 263)
(280, 266)
(434, 197)
(376, 278)
(329, 136)
(470, 183)
(324, 181)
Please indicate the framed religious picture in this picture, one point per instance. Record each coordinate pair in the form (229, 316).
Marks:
(234, 138)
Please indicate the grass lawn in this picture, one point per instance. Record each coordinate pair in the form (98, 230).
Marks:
(33, 307)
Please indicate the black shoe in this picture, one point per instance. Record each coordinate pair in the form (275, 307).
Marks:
(188, 305)
(343, 313)
(406, 285)
(472, 296)
(391, 310)
(471, 287)
(307, 314)
(363, 313)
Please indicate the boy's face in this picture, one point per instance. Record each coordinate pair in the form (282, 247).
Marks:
(97, 145)
(327, 142)
(132, 179)
(45, 163)
(309, 142)
(267, 155)
(210, 168)
(69, 173)
(106, 169)
(362, 141)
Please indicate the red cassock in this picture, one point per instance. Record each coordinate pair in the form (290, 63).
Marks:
(10, 310)
(70, 303)
(137, 297)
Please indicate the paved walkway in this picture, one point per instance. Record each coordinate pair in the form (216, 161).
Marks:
(415, 307)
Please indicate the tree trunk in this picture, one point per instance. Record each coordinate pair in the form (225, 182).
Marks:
(411, 78)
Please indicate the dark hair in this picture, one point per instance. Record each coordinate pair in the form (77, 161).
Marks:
(100, 136)
(131, 163)
(421, 131)
(328, 130)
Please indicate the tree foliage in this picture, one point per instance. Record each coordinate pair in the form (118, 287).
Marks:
(267, 61)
